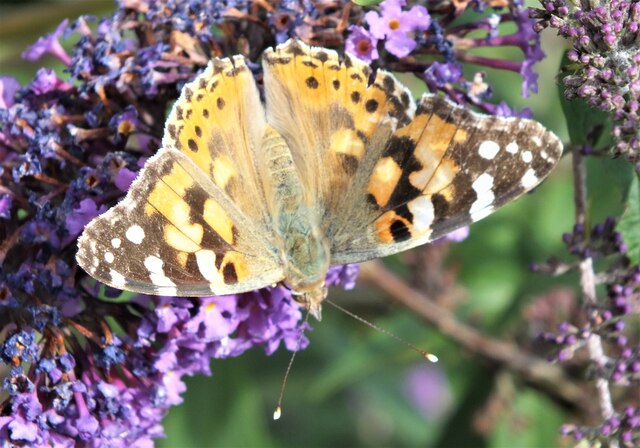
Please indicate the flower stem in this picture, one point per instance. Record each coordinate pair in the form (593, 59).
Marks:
(588, 285)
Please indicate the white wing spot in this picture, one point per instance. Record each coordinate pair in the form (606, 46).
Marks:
(155, 266)
(544, 155)
(117, 279)
(512, 148)
(529, 179)
(536, 140)
(108, 257)
(527, 157)
(488, 149)
(481, 207)
(116, 242)
(422, 210)
(206, 261)
(135, 234)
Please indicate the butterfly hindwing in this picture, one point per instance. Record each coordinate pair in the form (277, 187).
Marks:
(194, 222)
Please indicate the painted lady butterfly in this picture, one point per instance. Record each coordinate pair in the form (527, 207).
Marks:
(343, 167)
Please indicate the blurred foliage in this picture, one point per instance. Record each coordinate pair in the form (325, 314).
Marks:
(349, 387)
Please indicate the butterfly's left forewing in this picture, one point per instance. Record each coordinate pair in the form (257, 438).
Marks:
(195, 222)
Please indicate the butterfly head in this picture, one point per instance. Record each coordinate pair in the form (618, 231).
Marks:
(311, 296)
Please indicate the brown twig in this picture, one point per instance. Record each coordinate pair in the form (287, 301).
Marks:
(548, 376)
(588, 282)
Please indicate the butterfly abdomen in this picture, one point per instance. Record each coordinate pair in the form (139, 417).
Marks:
(304, 246)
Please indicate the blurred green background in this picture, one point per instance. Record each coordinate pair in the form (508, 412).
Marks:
(357, 387)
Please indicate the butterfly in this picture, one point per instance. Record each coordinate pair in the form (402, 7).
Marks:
(340, 166)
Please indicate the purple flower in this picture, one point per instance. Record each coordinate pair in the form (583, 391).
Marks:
(457, 236)
(504, 110)
(6, 201)
(344, 275)
(47, 81)
(124, 178)
(440, 74)
(362, 44)
(49, 44)
(9, 86)
(395, 25)
(124, 124)
(428, 389)
(85, 212)
(217, 317)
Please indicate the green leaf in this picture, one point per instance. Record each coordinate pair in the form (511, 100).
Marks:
(582, 119)
(123, 297)
(366, 2)
(530, 420)
(630, 222)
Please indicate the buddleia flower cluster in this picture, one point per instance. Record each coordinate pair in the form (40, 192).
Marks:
(433, 46)
(605, 56)
(89, 365)
(608, 319)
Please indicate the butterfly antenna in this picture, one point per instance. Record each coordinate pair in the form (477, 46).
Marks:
(428, 356)
(278, 410)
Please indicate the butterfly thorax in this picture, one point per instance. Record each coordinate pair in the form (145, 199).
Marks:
(305, 251)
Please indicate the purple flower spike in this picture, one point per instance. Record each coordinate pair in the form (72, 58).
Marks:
(395, 25)
(49, 44)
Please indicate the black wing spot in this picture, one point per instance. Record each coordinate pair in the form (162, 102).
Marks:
(230, 274)
(349, 163)
(322, 56)
(312, 82)
(399, 231)
(440, 206)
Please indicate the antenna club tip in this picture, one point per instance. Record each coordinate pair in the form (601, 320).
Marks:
(277, 413)
(431, 357)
